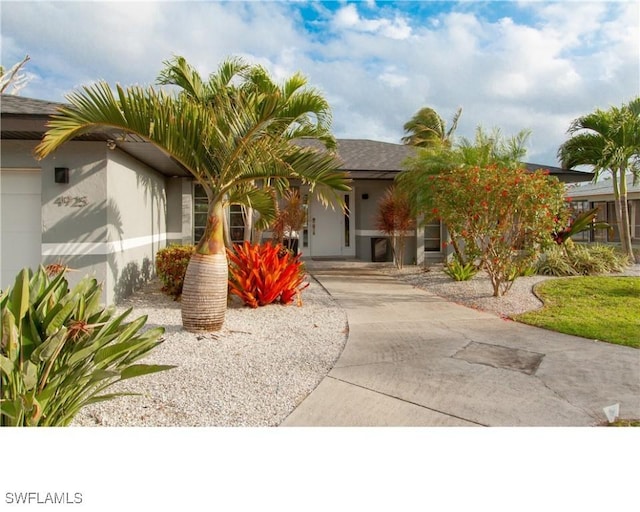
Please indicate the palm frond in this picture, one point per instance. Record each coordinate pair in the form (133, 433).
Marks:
(262, 200)
(175, 125)
(178, 72)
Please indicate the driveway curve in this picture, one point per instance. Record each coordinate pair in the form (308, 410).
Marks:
(414, 359)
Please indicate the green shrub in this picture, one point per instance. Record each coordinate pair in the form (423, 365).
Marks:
(573, 259)
(528, 271)
(459, 272)
(554, 262)
(60, 349)
(610, 257)
(171, 266)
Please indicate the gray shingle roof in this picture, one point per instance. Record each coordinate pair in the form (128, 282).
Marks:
(382, 160)
(367, 155)
(363, 158)
(18, 105)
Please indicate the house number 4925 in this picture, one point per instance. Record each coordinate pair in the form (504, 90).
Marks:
(72, 201)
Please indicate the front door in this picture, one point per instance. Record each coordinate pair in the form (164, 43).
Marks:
(331, 232)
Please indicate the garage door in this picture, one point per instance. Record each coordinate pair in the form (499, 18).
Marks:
(20, 222)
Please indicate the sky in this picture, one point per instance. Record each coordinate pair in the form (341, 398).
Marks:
(510, 65)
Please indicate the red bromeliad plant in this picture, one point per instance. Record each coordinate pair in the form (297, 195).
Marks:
(263, 274)
(502, 216)
(582, 221)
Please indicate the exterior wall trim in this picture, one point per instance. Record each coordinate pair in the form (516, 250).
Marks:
(104, 248)
(377, 232)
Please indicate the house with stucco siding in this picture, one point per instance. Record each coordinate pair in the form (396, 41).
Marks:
(600, 195)
(105, 203)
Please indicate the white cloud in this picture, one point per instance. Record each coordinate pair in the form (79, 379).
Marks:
(376, 69)
(348, 18)
(393, 79)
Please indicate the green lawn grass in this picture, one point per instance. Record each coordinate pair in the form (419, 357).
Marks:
(598, 308)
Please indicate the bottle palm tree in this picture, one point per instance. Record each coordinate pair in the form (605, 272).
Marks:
(232, 133)
(426, 129)
(608, 141)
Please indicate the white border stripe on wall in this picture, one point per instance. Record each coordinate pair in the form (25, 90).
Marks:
(104, 248)
(376, 232)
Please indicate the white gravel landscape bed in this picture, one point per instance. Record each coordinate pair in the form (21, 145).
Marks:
(264, 361)
(253, 372)
(478, 292)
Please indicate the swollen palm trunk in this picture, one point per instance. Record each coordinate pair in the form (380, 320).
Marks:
(204, 294)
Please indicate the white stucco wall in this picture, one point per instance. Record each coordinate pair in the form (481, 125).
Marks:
(136, 220)
(108, 221)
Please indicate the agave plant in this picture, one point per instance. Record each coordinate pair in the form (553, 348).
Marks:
(60, 349)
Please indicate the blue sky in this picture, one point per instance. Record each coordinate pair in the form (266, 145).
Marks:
(511, 65)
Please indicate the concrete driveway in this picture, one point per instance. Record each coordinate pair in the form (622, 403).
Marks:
(414, 359)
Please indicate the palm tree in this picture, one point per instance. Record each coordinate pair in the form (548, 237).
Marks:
(306, 111)
(230, 134)
(426, 129)
(608, 141)
(11, 80)
(492, 148)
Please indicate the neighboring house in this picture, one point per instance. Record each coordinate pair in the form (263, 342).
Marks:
(600, 195)
(104, 204)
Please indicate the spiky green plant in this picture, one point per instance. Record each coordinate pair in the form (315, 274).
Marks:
(60, 349)
(459, 271)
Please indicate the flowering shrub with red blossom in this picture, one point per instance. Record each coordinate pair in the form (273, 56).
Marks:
(171, 266)
(502, 216)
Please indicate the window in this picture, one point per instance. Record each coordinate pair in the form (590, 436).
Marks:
(577, 208)
(600, 235)
(634, 208)
(200, 207)
(236, 224)
(347, 228)
(432, 236)
(305, 223)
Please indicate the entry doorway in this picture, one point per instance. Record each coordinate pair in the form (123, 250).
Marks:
(330, 232)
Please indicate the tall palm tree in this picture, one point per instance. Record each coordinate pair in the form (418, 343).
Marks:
(426, 129)
(229, 134)
(608, 141)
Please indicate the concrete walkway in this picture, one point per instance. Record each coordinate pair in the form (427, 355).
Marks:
(414, 359)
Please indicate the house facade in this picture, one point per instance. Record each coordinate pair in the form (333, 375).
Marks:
(104, 205)
(586, 196)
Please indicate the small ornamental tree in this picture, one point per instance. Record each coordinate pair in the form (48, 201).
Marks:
(394, 218)
(502, 216)
(289, 219)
